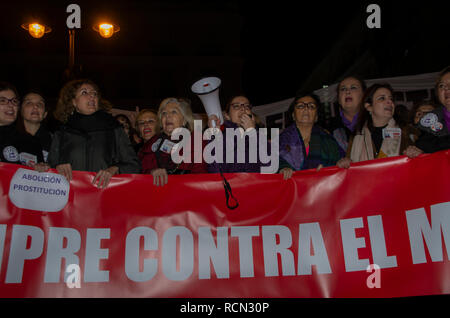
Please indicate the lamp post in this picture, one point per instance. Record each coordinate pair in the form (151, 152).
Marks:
(38, 30)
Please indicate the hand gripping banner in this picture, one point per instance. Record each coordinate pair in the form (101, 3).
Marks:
(378, 229)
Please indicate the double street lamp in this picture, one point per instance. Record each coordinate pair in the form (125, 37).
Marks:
(38, 30)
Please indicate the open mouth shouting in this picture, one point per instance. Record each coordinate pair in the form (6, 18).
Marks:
(147, 132)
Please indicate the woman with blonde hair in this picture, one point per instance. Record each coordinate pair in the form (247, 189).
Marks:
(147, 124)
(156, 155)
(90, 139)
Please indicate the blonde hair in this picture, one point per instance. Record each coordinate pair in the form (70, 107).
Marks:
(184, 106)
(65, 107)
(151, 111)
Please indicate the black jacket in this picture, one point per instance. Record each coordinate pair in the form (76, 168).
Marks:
(435, 134)
(17, 147)
(93, 142)
(44, 137)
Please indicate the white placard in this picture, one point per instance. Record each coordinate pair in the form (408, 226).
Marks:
(39, 191)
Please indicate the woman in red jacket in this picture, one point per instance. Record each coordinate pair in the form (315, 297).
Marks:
(156, 155)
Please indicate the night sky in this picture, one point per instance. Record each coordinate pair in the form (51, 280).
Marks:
(267, 50)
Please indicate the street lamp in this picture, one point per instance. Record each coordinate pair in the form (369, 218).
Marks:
(106, 29)
(36, 29)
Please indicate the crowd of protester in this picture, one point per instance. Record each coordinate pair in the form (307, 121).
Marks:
(368, 126)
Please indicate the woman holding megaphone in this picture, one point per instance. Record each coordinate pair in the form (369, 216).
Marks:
(238, 114)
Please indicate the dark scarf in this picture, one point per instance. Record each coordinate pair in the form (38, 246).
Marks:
(97, 121)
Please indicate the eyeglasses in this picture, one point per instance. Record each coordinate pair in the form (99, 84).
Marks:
(146, 122)
(237, 106)
(443, 86)
(14, 101)
(302, 106)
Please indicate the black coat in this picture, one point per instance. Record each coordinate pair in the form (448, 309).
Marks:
(18, 147)
(92, 143)
(435, 135)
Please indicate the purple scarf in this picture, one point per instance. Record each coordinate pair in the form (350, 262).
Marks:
(447, 118)
(349, 124)
(291, 147)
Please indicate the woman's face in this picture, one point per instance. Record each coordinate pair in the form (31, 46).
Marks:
(33, 108)
(146, 124)
(350, 94)
(305, 111)
(171, 118)
(86, 100)
(125, 124)
(239, 106)
(422, 110)
(444, 91)
(382, 107)
(9, 105)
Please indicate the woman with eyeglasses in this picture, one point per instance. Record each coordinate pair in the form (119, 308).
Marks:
(378, 134)
(304, 144)
(156, 154)
(90, 139)
(15, 146)
(238, 114)
(349, 94)
(435, 125)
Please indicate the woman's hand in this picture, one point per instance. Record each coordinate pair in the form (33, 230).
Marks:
(287, 173)
(248, 121)
(160, 177)
(412, 152)
(103, 177)
(213, 119)
(41, 167)
(65, 169)
(344, 163)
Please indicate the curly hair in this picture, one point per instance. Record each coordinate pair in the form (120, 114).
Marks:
(65, 106)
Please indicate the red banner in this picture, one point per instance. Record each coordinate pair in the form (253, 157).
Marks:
(315, 235)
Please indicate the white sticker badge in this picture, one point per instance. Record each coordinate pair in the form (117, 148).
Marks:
(429, 119)
(27, 158)
(38, 191)
(11, 154)
(391, 133)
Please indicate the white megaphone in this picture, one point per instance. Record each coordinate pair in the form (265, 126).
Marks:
(207, 89)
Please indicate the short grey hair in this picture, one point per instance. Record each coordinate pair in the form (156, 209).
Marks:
(184, 106)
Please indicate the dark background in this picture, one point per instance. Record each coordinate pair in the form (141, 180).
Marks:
(267, 50)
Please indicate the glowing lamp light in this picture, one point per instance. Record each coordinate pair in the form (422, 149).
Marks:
(106, 30)
(36, 30)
